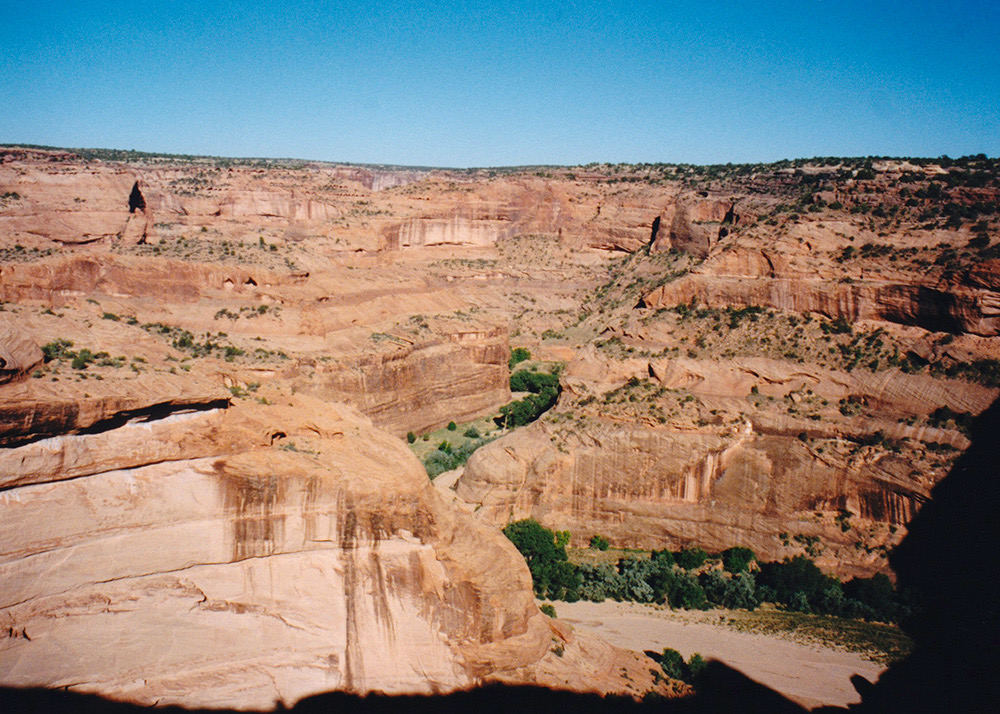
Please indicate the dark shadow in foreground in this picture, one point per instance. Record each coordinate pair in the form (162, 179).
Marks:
(949, 558)
(725, 690)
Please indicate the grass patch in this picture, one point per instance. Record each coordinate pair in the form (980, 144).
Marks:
(883, 644)
(445, 449)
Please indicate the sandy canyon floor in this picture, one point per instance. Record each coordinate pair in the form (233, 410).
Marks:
(808, 673)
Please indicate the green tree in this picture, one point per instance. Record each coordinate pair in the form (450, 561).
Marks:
(741, 592)
(691, 558)
(553, 576)
(737, 559)
(794, 582)
(518, 355)
(689, 594)
(877, 592)
(695, 665)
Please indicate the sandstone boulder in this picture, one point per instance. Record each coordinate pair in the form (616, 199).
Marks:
(18, 352)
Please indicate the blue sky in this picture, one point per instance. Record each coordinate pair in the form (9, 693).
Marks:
(489, 84)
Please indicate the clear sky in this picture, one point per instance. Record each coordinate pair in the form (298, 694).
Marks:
(461, 84)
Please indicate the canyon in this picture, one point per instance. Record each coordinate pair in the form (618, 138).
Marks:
(206, 496)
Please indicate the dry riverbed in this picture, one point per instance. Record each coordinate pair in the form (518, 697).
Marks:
(811, 672)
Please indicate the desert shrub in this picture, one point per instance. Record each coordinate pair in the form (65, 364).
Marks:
(545, 391)
(798, 602)
(673, 664)
(696, 665)
(979, 242)
(765, 593)
(737, 559)
(82, 358)
(635, 573)
(832, 601)
(600, 582)
(57, 349)
(982, 371)
(662, 556)
(664, 581)
(598, 542)
(859, 610)
(941, 417)
(447, 457)
(741, 592)
(847, 253)
(953, 222)
(533, 382)
(410, 437)
(688, 593)
(437, 462)
(471, 433)
(548, 609)
(799, 585)
(452, 426)
(876, 593)
(714, 583)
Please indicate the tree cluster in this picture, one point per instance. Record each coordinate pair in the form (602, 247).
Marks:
(544, 390)
(691, 578)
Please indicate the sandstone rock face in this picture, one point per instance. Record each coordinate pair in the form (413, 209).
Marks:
(957, 309)
(423, 386)
(57, 281)
(18, 352)
(654, 488)
(454, 230)
(423, 381)
(694, 222)
(349, 208)
(227, 572)
(734, 473)
(62, 201)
